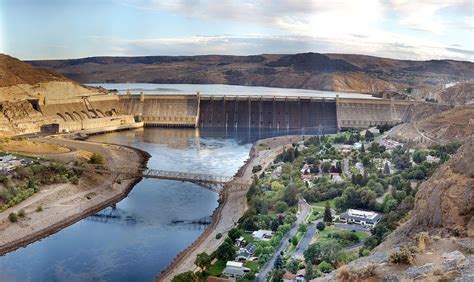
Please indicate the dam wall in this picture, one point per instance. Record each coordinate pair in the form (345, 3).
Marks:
(267, 113)
(262, 112)
(162, 110)
(360, 113)
(324, 115)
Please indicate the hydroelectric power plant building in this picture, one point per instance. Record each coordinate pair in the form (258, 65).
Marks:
(233, 112)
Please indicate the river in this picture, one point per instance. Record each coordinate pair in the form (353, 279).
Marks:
(148, 228)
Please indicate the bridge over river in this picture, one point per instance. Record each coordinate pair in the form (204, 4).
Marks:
(212, 182)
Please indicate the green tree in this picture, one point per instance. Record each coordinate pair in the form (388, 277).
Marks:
(225, 252)
(419, 157)
(386, 169)
(187, 276)
(294, 241)
(203, 260)
(281, 206)
(325, 167)
(278, 263)
(290, 194)
(302, 228)
(327, 213)
(309, 271)
(312, 253)
(234, 233)
(320, 226)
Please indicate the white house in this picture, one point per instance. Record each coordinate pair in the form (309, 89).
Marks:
(235, 269)
(262, 235)
(365, 218)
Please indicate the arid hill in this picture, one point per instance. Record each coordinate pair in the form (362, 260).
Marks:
(336, 72)
(19, 81)
(459, 94)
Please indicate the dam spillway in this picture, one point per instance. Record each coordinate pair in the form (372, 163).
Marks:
(267, 113)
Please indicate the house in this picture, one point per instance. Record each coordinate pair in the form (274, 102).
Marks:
(289, 277)
(300, 275)
(262, 235)
(234, 269)
(365, 218)
(245, 253)
(431, 159)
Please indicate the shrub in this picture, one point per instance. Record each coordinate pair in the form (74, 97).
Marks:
(13, 217)
(21, 213)
(39, 209)
(320, 226)
(97, 159)
(325, 267)
(403, 256)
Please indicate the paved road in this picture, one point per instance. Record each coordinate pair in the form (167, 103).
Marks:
(304, 242)
(268, 267)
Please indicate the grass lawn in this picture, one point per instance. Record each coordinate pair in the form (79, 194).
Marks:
(252, 265)
(322, 236)
(323, 203)
(217, 268)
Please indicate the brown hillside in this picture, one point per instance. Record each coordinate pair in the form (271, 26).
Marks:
(14, 71)
(336, 72)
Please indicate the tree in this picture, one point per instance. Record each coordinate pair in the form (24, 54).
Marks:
(203, 260)
(309, 272)
(293, 265)
(302, 228)
(320, 226)
(294, 241)
(325, 167)
(225, 252)
(386, 169)
(419, 157)
(290, 194)
(281, 206)
(188, 276)
(278, 275)
(278, 263)
(312, 253)
(234, 233)
(362, 149)
(327, 213)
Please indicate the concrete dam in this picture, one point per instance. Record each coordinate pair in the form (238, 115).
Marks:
(207, 111)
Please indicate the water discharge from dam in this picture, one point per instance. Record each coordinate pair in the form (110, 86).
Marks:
(147, 229)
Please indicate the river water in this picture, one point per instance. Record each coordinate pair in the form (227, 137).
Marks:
(148, 228)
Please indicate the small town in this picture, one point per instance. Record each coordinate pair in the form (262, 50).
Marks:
(322, 203)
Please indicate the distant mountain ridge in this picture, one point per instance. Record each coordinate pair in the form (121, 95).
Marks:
(334, 72)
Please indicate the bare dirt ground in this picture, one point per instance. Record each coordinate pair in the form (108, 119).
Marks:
(65, 204)
(232, 207)
(31, 147)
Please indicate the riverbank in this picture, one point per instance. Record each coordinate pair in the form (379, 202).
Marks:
(65, 204)
(232, 205)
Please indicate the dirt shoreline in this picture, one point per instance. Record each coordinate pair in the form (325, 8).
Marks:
(124, 189)
(258, 154)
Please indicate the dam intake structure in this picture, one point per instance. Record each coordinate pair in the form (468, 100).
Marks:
(311, 114)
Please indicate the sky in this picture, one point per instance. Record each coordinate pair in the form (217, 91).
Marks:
(63, 29)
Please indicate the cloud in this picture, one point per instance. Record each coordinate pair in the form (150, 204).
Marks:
(367, 25)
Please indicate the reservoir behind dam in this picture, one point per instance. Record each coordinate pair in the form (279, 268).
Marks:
(148, 228)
